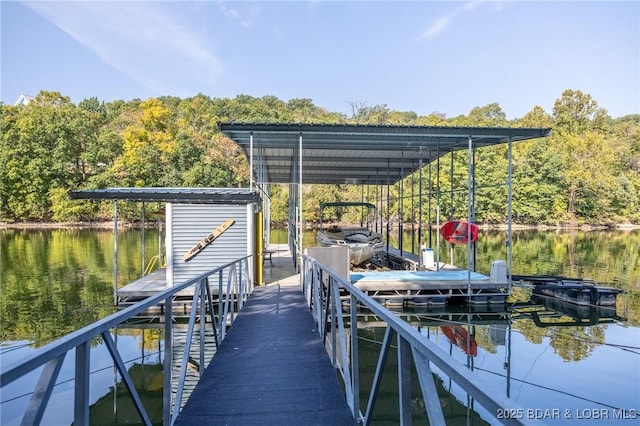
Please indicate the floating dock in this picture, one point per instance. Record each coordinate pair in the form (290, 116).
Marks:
(427, 288)
(578, 291)
(390, 288)
(147, 286)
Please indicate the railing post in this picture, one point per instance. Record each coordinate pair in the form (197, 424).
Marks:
(333, 316)
(241, 290)
(38, 403)
(212, 313)
(404, 380)
(355, 361)
(185, 358)
(303, 274)
(222, 311)
(81, 404)
(429, 391)
(248, 277)
(317, 293)
(228, 301)
(167, 362)
(233, 280)
(307, 281)
(203, 323)
(340, 333)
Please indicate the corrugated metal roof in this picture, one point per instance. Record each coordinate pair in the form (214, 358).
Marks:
(359, 154)
(171, 195)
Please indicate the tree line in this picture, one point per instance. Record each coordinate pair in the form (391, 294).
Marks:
(587, 171)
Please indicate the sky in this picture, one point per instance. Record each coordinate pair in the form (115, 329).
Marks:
(422, 56)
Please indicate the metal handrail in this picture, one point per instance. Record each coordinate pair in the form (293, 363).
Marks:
(327, 294)
(50, 357)
(152, 263)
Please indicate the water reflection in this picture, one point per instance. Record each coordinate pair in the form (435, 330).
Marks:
(116, 406)
(549, 312)
(508, 348)
(455, 410)
(543, 353)
(56, 281)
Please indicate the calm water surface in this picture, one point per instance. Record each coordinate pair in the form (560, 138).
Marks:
(565, 365)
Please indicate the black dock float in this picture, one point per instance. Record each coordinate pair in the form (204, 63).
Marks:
(271, 369)
(579, 291)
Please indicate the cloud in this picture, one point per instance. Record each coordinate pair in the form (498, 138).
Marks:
(436, 27)
(143, 40)
(442, 22)
(244, 17)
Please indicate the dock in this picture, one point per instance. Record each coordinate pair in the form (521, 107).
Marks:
(434, 287)
(578, 291)
(272, 367)
(146, 286)
(430, 288)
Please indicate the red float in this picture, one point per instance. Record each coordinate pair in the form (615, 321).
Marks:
(459, 232)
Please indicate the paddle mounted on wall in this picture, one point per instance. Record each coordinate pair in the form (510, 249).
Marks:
(207, 240)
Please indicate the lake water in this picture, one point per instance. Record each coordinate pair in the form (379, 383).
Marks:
(562, 363)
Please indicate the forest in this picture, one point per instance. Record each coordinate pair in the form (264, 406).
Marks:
(586, 172)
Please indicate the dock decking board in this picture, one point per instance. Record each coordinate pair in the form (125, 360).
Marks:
(149, 285)
(422, 280)
(271, 369)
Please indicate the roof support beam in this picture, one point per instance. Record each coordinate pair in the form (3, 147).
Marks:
(251, 161)
(299, 254)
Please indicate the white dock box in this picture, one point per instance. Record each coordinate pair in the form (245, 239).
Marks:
(499, 271)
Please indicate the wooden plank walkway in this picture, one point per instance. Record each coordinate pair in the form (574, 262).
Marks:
(271, 369)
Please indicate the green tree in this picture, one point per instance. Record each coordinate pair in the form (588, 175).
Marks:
(303, 110)
(536, 174)
(576, 112)
(148, 144)
(42, 148)
(587, 160)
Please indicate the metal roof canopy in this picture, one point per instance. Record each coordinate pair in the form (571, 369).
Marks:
(171, 195)
(358, 154)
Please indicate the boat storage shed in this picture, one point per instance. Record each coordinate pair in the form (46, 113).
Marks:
(191, 215)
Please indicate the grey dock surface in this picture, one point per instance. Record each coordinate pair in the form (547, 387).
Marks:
(272, 367)
(146, 286)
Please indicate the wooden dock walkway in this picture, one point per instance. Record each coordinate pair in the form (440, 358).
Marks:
(272, 368)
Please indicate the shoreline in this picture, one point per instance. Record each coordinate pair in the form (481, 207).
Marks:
(66, 225)
(484, 227)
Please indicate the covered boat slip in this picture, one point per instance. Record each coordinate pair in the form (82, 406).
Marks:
(377, 157)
